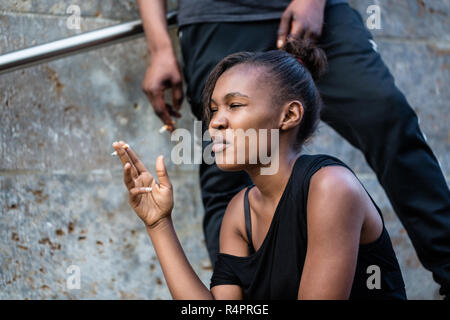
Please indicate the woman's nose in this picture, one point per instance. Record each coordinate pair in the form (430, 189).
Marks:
(219, 121)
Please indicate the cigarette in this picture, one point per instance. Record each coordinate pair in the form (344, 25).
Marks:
(125, 146)
(163, 128)
(148, 189)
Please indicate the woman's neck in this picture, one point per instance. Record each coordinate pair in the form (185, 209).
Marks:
(271, 186)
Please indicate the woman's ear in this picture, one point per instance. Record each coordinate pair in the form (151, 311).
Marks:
(292, 115)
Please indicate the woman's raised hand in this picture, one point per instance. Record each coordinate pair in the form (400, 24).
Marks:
(151, 201)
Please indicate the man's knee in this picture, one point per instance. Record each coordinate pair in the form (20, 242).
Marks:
(397, 110)
(401, 125)
(387, 113)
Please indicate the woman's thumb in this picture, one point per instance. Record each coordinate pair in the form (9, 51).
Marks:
(161, 172)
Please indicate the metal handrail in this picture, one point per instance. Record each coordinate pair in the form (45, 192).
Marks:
(75, 44)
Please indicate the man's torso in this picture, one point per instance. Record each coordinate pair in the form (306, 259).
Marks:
(200, 11)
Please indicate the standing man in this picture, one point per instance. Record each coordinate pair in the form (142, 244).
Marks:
(361, 102)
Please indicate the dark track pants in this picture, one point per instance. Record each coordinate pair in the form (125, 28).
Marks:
(362, 104)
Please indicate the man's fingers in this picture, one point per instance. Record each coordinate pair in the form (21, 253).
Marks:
(301, 30)
(177, 95)
(159, 105)
(313, 35)
(161, 172)
(284, 28)
(298, 29)
(172, 111)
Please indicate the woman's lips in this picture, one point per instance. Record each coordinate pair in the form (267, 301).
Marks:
(219, 147)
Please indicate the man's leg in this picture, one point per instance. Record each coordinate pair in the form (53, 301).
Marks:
(203, 46)
(363, 105)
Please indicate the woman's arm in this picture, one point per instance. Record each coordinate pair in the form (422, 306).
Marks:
(154, 207)
(232, 242)
(335, 215)
(183, 282)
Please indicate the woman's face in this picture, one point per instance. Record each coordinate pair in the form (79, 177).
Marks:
(241, 106)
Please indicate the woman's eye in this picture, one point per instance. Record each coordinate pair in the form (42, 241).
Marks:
(213, 110)
(235, 105)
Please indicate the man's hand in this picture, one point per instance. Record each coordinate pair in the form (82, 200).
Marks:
(301, 19)
(164, 73)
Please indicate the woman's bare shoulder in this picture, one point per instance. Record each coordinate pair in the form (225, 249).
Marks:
(335, 189)
(335, 178)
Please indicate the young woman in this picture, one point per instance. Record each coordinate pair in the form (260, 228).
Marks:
(308, 231)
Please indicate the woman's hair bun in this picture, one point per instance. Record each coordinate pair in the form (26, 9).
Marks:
(312, 57)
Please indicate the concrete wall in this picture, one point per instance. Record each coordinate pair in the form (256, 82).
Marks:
(62, 201)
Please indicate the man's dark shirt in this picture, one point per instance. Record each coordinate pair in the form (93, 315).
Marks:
(199, 11)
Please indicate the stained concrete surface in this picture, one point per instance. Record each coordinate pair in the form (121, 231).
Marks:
(61, 195)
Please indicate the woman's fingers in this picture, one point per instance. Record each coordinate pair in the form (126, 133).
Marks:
(146, 179)
(119, 147)
(154, 185)
(124, 158)
(136, 193)
(127, 178)
(140, 190)
(161, 172)
(137, 163)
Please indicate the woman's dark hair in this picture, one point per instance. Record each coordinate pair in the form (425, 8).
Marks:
(292, 72)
